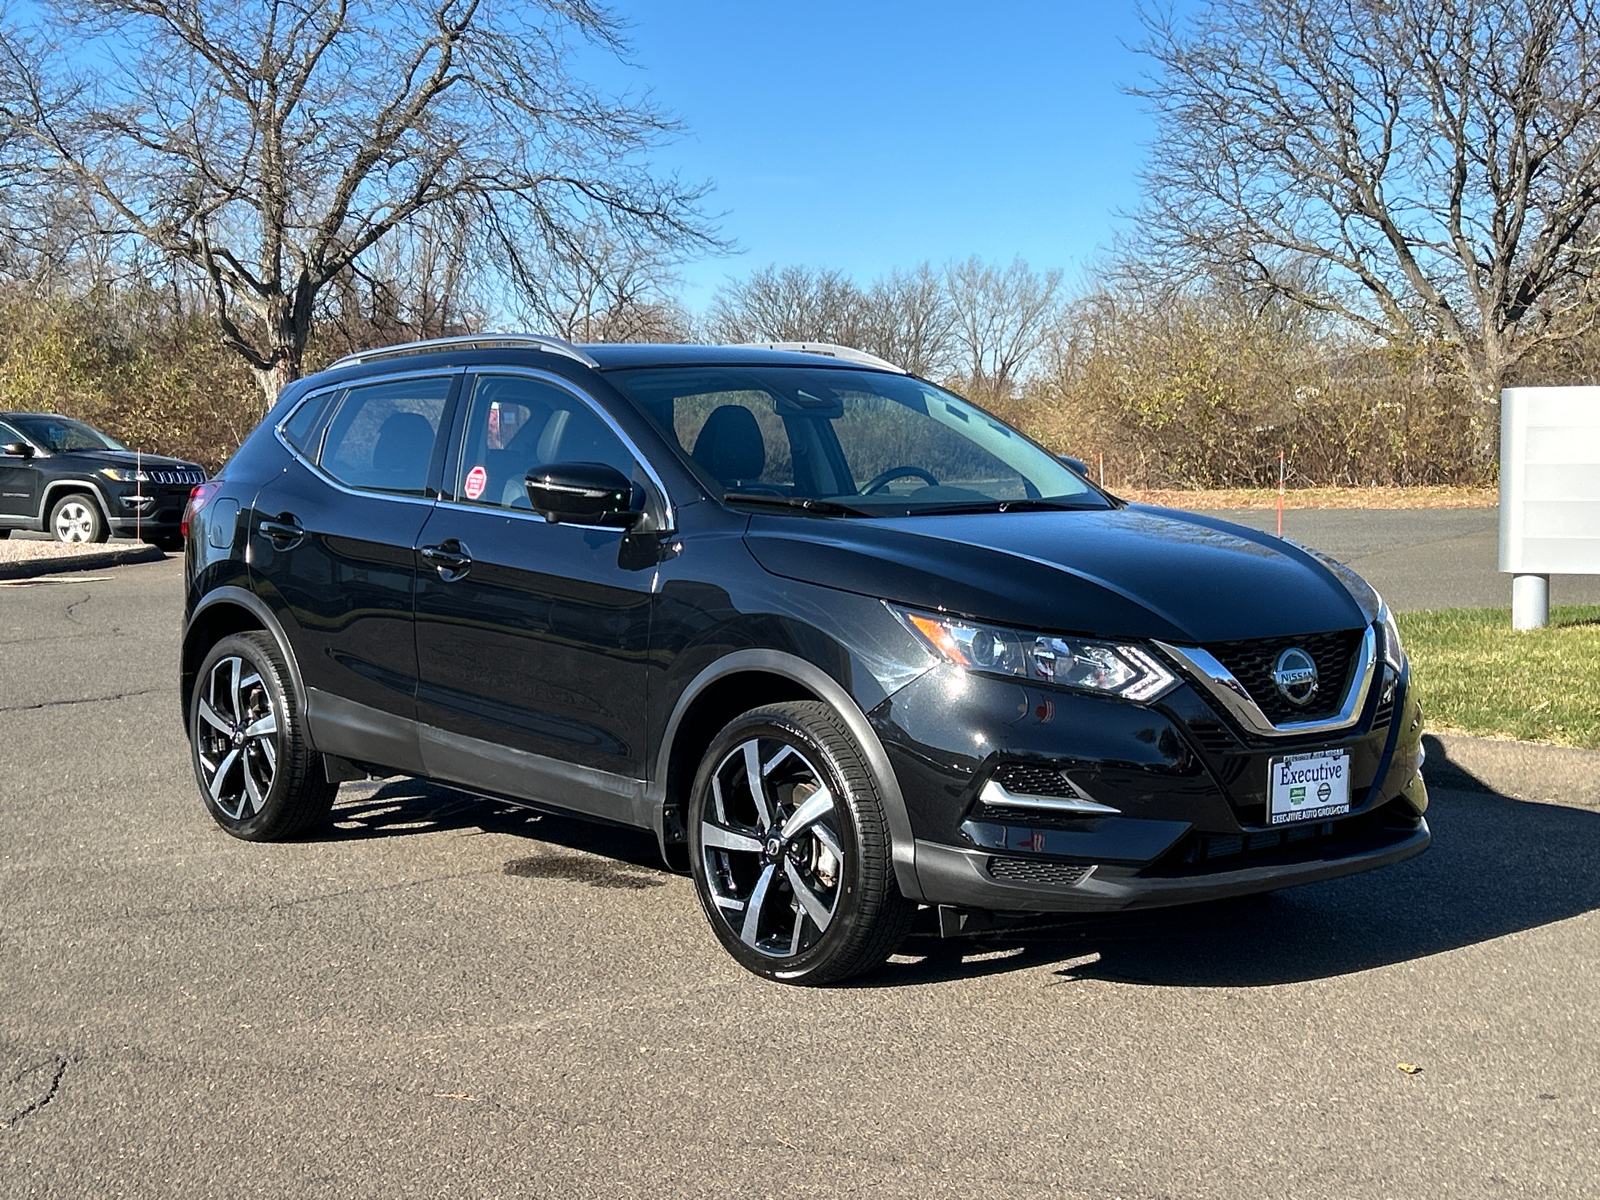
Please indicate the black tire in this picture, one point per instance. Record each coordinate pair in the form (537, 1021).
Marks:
(852, 916)
(76, 517)
(272, 784)
(172, 543)
(4, 534)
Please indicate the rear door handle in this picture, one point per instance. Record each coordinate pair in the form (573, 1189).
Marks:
(451, 559)
(284, 533)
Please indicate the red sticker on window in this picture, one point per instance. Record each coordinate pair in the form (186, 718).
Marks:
(477, 478)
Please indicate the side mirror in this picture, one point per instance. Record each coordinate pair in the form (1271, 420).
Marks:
(17, 450)
(583, 493)
(1074, 464)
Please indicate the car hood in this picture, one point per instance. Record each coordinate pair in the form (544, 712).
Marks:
(95, 459)
(1136, 572)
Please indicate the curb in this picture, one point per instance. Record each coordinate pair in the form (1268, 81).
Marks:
(121, 556)
(1520, 770)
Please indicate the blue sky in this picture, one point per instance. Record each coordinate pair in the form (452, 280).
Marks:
(879, 133)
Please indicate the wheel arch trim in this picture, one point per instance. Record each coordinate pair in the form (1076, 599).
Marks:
(56, 486)
(239, 597)
(812, 677)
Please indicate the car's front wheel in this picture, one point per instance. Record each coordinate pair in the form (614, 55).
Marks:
(257, 772)
(790, 848)
(76, 518)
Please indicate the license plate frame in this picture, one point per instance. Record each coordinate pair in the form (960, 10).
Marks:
(1312, 786)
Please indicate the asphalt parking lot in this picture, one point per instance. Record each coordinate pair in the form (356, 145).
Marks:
(449, 997)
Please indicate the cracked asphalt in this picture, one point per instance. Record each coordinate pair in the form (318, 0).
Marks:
(446, 996)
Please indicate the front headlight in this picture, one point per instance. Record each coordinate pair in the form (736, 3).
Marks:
(123, 475)
(1115, 669)
(1393, 652)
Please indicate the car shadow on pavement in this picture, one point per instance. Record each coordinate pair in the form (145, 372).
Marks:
(1496, 866)
(403, 807)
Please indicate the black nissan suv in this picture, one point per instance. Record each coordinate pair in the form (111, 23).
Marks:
(845, 643)
(80, 485)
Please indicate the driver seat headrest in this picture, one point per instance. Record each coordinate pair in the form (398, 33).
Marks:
(730, 446)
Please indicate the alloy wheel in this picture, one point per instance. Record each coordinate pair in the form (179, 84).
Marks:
(74, 522)
(774, 854)
(237, 738)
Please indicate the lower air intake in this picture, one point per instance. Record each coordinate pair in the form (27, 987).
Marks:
(1027, 870)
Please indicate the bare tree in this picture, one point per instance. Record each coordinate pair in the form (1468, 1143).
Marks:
(1003, 318)
(796, 304)
(272, 144)
(589, 285)
(907, 318)
(1426, 169)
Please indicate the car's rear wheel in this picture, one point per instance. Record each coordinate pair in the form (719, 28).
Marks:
(790, 848)
(76, 518)
(259, 777)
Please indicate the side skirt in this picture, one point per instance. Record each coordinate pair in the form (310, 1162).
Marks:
(363, 734)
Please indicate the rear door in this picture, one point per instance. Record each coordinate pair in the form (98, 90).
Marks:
(333, 544)
(531, 637)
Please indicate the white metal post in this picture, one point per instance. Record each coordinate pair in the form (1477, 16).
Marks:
(1530, 601)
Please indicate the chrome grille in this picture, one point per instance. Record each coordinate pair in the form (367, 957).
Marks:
(173, 477)
(1252, 663)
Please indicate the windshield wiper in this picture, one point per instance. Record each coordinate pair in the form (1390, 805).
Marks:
(825, 508)
(1033, 505)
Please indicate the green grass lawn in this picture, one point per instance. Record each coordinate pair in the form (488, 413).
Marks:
(1477, 675)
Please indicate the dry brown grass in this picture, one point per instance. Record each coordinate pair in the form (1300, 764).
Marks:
(1443, 496)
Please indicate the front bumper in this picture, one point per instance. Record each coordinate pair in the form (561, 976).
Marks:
(963, 877)
(1188, 790)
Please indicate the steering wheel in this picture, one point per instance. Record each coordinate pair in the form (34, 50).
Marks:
(883, 478)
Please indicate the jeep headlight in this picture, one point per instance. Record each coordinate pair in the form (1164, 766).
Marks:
(1116, 669)
(123, 475)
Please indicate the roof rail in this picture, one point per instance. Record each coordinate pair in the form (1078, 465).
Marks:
(471, 341)
(829, 350)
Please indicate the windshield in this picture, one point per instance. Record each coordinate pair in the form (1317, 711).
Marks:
(847, 442)
(59, 434)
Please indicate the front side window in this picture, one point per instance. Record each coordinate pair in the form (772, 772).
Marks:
(381, 438)
(868, 443)
(61, 435)
(515, 424)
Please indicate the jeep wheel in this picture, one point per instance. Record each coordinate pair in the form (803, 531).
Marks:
(790, 848)
(76, 518)
(258, 775)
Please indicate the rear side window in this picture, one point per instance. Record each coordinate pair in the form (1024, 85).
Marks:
(516, 424)
(382, 436)
(301, 428)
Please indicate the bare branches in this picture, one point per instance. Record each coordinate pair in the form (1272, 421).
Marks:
(1426, 169)
(272, 145)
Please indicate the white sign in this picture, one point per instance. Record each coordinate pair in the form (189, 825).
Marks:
(1550, 481)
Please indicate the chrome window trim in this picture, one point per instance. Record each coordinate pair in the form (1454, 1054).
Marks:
(669, 510)
(1204, 669)
(324, 476)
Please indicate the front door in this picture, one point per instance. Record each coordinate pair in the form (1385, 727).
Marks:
(333, 549)
(531, 637)
(19, 481)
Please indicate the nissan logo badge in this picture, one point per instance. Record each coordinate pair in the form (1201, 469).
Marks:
(1296, 676)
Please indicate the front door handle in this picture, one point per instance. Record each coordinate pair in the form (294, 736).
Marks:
(451, 559)
(284, 532)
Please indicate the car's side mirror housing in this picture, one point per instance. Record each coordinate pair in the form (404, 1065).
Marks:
(17, 450)
(583, 493)
(1076, 465)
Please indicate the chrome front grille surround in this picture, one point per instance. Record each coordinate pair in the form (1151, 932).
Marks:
(1235, 699)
